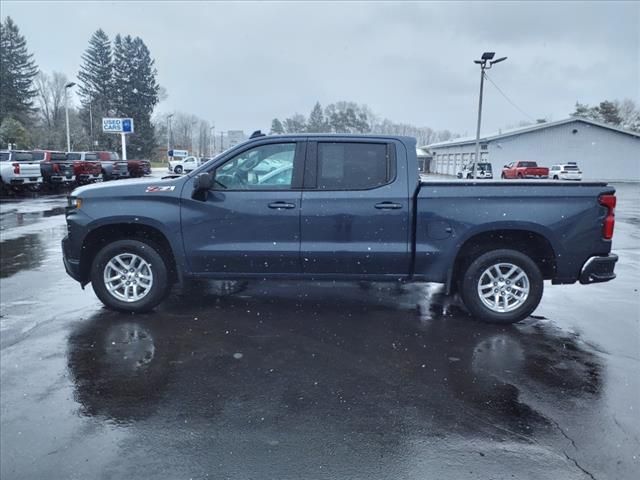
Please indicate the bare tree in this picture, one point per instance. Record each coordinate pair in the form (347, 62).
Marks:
(50, 101)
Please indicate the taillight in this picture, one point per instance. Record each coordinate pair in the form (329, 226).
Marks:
(608, 201)
(16, 168)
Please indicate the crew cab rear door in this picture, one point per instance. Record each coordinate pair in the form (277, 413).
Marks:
(249, 222)
(355, 208)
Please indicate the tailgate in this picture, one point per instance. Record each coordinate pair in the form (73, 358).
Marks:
(28, 169)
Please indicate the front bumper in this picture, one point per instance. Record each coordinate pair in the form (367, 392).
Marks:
(598, 269)
(71, 265)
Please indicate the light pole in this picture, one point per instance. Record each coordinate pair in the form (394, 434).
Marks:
(212, 139)
(485, 62)
(193, 122)
(91, 122)
(66, 112)
(169, 135)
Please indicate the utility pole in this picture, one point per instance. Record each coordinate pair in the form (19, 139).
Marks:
(91, 123)
(169, 135)
(66, 112)
(485, 62)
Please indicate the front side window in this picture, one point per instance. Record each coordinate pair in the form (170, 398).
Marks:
(38, 156)
(74, 156)
(267, 167)
(91, 156)
(352, 166)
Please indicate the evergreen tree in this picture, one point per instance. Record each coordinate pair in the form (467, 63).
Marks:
(96, 87)
(608, 112)
(276, 127)
(17, 72)
(582, 110)
(136, 91)
(295, 124)
(317, 123)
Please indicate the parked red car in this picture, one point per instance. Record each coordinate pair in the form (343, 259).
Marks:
(524, 169)
(86, 167)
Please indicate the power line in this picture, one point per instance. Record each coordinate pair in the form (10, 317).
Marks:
(509, 100)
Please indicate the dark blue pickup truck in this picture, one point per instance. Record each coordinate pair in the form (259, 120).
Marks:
(339, 207)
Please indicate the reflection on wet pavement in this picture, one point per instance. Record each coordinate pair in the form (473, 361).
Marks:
(20, 253)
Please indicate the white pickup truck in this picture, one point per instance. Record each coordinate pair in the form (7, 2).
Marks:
(18, 170)
(185, 165)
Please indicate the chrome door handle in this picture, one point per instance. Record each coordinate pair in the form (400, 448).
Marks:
(388, 206)
(281, 205)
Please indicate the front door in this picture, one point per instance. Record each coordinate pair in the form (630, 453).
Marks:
(355, 209)
(249, 222)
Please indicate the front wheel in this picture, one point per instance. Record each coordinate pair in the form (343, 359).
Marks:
(502, 176)
(178, 169)
(130, 276)
(555, 177)
(502, 286)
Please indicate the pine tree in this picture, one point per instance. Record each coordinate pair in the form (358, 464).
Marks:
(17, 73)
(582, 110)
(136, 91)
(317, 123)
(276, 127)
(96, 87)
(608, 112)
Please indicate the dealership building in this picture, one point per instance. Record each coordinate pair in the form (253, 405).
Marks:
(601, 151)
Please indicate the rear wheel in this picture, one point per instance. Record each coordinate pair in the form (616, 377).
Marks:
(130, 276)
(555, 177)
(502, 176)
(502, 286)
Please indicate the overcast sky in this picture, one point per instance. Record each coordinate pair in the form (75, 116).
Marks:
(242, 64)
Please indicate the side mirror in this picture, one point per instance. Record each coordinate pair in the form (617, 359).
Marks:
(506, 166)
(203, 182)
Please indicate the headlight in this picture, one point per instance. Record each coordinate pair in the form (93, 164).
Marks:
(74, 202)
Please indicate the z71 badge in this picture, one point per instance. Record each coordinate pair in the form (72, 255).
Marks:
(156, 188)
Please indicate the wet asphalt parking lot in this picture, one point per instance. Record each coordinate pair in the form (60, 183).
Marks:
(311, 381)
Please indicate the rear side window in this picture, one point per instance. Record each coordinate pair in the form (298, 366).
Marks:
(528, 164)
(23, 156)
(353, 166)
(91, 156)
(4, 156)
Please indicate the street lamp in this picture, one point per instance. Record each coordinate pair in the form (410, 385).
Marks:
(212, 138)
(169, 135)
(66, 112)
(485, 62)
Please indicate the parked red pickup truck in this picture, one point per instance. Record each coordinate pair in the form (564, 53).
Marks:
(86, 167)
(524, 169)
(139, 168)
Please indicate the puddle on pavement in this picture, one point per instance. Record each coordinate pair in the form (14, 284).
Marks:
(22, 253)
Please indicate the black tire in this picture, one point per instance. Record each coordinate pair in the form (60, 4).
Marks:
(470, 176)
(473, 273)
(502, 176)
(555, 177)
(152, 255)
(178, 169)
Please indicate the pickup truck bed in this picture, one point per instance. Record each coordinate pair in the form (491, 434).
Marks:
(339, 207)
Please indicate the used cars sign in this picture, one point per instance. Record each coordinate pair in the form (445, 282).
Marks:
(117, 125)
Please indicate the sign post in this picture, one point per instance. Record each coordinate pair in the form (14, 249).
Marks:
(123, 126)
